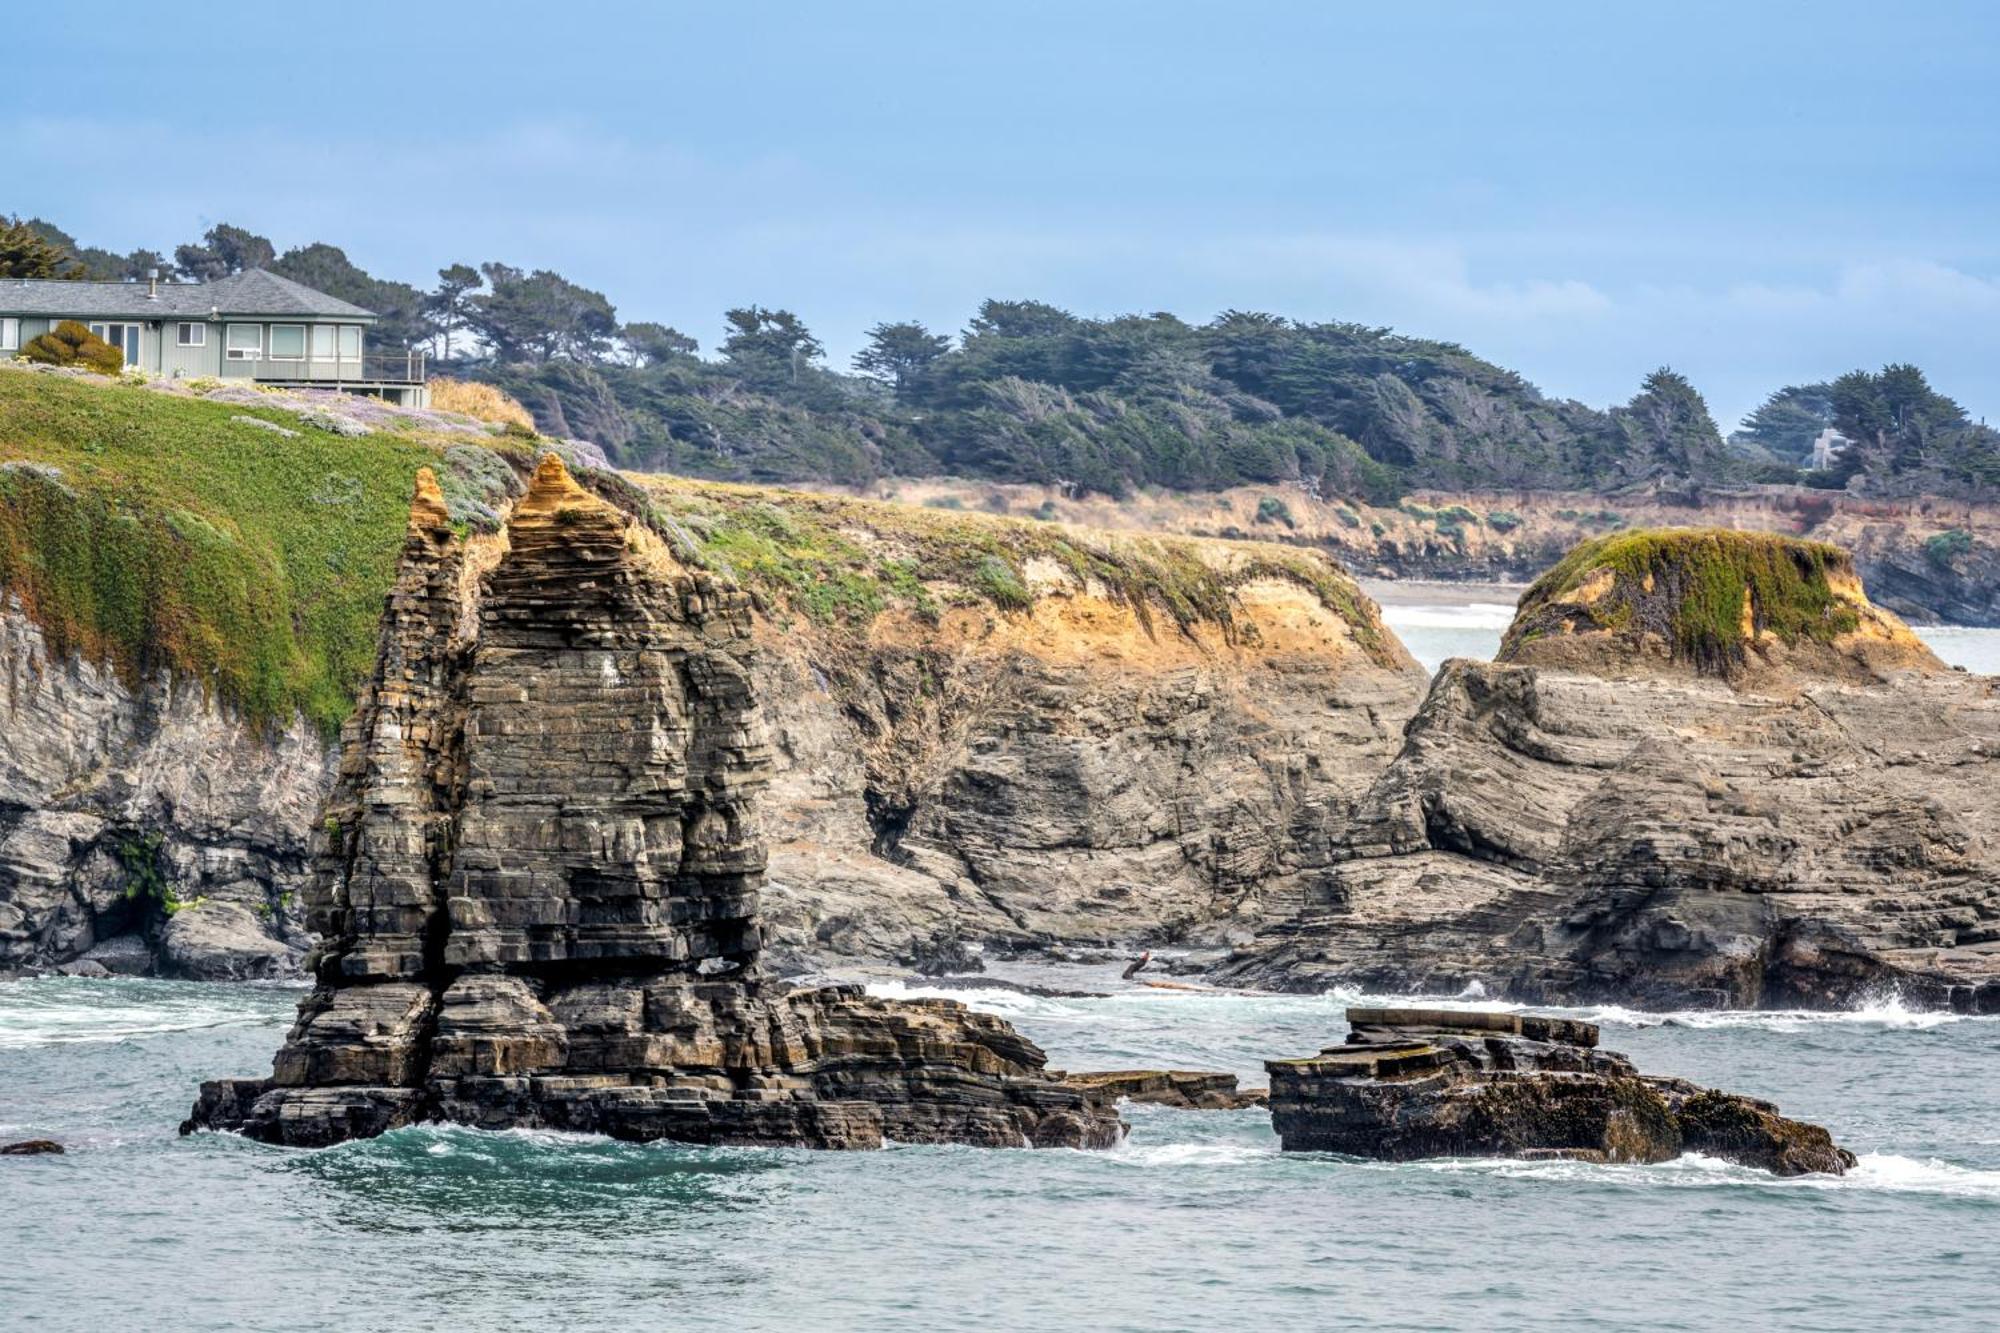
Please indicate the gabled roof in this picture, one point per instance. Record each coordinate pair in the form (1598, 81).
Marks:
(251, 292)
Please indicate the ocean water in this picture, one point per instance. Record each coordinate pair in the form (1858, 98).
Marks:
(1440, 620)
(1196, 1222)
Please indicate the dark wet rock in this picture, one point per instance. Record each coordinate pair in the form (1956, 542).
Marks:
(538, 884)
(1188, 1090)
(30, 1148)
(122, 955)
(87, 968)
(944, 953)
(1415, 1083)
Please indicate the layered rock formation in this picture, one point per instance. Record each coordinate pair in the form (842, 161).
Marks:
(1075, 766)
(537, 883)
(146, 817)
(1703, 771)
(1413, 1083)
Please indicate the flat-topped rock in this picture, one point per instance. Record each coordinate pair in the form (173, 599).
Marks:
(1188, 1090)
(537, 884)
(1411, 1084)
(1713, 602)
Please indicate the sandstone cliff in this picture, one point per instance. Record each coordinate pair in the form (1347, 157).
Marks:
(537, 884)
(1703, 771)
(1024, 734)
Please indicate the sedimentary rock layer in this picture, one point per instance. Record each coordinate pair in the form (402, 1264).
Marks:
(1414, 1083)
(537, 884)
(1626, 805)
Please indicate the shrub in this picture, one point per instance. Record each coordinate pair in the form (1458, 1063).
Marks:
(1946, 547)
(1503, 520)
(1271, 509)
(1046, 511)
(944, 502)
(1002, 585)
(71, 344)
(1347, 517)
(481, 402)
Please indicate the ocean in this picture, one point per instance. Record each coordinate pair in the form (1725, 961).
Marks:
(1195, 1222)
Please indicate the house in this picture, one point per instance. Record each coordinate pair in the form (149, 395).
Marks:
(252, 326)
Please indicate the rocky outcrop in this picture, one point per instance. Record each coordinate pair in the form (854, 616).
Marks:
(1415, 1083)
(538, 884)
(1183, 1089)
(1633, 804)
(149, 811)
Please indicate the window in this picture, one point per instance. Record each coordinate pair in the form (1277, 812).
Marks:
(322, 342)
(245, 342)
(10, 334)
(288, 342)
(350, 342)
(190, 335)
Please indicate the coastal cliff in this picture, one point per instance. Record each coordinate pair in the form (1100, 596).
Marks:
(985, 730)
(1704, 770)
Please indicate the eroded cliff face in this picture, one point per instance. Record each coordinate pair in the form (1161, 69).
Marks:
(147, 828)
(1075, 767)
(538, 884)
(1067, 774)
(1598, 815)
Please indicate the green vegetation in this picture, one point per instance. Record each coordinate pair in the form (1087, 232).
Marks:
(839, 561)
(1688, 586)
(1503, 520)
(71, 344)
(1948, 546)
(1271, 509)
(147, 531)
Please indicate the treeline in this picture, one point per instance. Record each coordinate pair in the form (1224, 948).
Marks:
(1032, 393)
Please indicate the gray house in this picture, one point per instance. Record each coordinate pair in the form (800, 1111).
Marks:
(253, 326)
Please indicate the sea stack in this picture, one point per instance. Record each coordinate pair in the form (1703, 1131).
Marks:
(1703, 771)
(537, 883)
(1414, 1083)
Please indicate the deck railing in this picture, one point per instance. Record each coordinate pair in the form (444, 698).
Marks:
(368, 368)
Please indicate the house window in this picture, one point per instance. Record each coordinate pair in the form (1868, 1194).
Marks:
(288, 342)
(190, 335)
(322, 342)
(350, 342)
(10, 334)
(245, 342)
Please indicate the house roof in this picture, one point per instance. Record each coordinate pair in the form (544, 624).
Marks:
(251, 292)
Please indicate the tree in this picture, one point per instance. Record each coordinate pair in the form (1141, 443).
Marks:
(398, 307)
(224, 250)
(26, 253)
(655, 344)
(539, 316)
(768, 344)
(901, 353)
(1020, 319)
(449, 305)
(1668, 430)
(1790, 420)
(71, 344)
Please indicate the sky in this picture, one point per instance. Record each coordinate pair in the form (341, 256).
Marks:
(1756, 194)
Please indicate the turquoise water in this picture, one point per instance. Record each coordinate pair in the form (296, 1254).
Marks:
(1438, 621)
(1196, 1222)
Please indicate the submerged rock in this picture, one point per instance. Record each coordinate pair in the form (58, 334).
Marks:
(31, 1148)
(1415, 1083)
(538, 884)
(1703, 772)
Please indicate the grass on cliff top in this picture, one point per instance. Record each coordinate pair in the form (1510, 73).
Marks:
(1697, 578)
(146, 530)
(835, 559)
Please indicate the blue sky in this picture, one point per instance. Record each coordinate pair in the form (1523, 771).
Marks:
(1756, 194)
